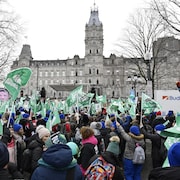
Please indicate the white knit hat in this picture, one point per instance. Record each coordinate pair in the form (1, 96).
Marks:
(43, 132)
(39, 127)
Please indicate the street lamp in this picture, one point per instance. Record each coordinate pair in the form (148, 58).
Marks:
(134, 80)
(147, 60)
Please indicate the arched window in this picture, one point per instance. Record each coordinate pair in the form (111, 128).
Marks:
(76, 73)
(113, 94)
(97, 71)
(89, 81)
(97, 51)
(90, 51)
(89, 71)
(97, 81)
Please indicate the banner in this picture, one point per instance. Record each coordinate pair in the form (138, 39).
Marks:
(149, 105)
(15, 79)
(73, 96)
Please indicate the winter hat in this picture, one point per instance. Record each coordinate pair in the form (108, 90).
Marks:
(160, 127)
(135, 130)
(17, 127)
(96, 125)
(25, 115)
(74, 148)
(43, 132)
(112, 115)
(56, 138)
(62, 116)
(158, 113)
(170, 113)
(113, 145)
(39, 127)
(174, 154)
(4, 155)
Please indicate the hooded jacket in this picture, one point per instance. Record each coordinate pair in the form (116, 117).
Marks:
(56, 163)
(165, 173)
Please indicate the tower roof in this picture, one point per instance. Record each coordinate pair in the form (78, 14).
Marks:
(94, 17)
(26, 52)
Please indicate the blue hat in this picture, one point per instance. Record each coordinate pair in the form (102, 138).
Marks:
(112, 115)
(45, 119)
(160, 127)
(21, 109)
(17, 127)
(39, 116)
(62, 116)
(170, 113)
(135, 130)
(4, 154)
(174, 154)
(25, 115)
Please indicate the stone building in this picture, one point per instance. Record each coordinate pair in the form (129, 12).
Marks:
(104, 75)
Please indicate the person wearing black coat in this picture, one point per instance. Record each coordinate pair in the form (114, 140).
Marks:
(37, 146)
(171, 172)
(156, 139)
(8, 170)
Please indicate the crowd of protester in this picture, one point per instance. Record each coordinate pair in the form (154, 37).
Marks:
(68, 149)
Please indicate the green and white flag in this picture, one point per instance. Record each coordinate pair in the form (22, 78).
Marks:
(149, 105)
(101, 99)
(16, 79)
(72, 99)
(85, 99)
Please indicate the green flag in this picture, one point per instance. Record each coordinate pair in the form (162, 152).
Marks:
(101, 99)
(73, 96)
(15, 79)
(85, 99)
(149, 105)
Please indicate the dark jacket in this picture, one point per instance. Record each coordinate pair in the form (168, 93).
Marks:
(6, 137)
(56, 163)
(86, 152)
(37, 149)
(156, 142)
(10, 173)
(167, 173)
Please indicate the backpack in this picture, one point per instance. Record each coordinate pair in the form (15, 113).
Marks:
(139, 155)
(27, 158)
(99, 169)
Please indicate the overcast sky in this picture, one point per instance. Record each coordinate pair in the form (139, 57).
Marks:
(56, 28)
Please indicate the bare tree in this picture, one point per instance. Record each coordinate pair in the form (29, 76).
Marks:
(9, 33)
(142, 31)
(168, 11)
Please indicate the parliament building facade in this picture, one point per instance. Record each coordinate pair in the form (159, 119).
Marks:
(103, 75)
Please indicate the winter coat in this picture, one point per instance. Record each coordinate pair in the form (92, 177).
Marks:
(156, 142)
(56, 162)
(37, 149)
(87, 151)
(131, 141)
(166, 173)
